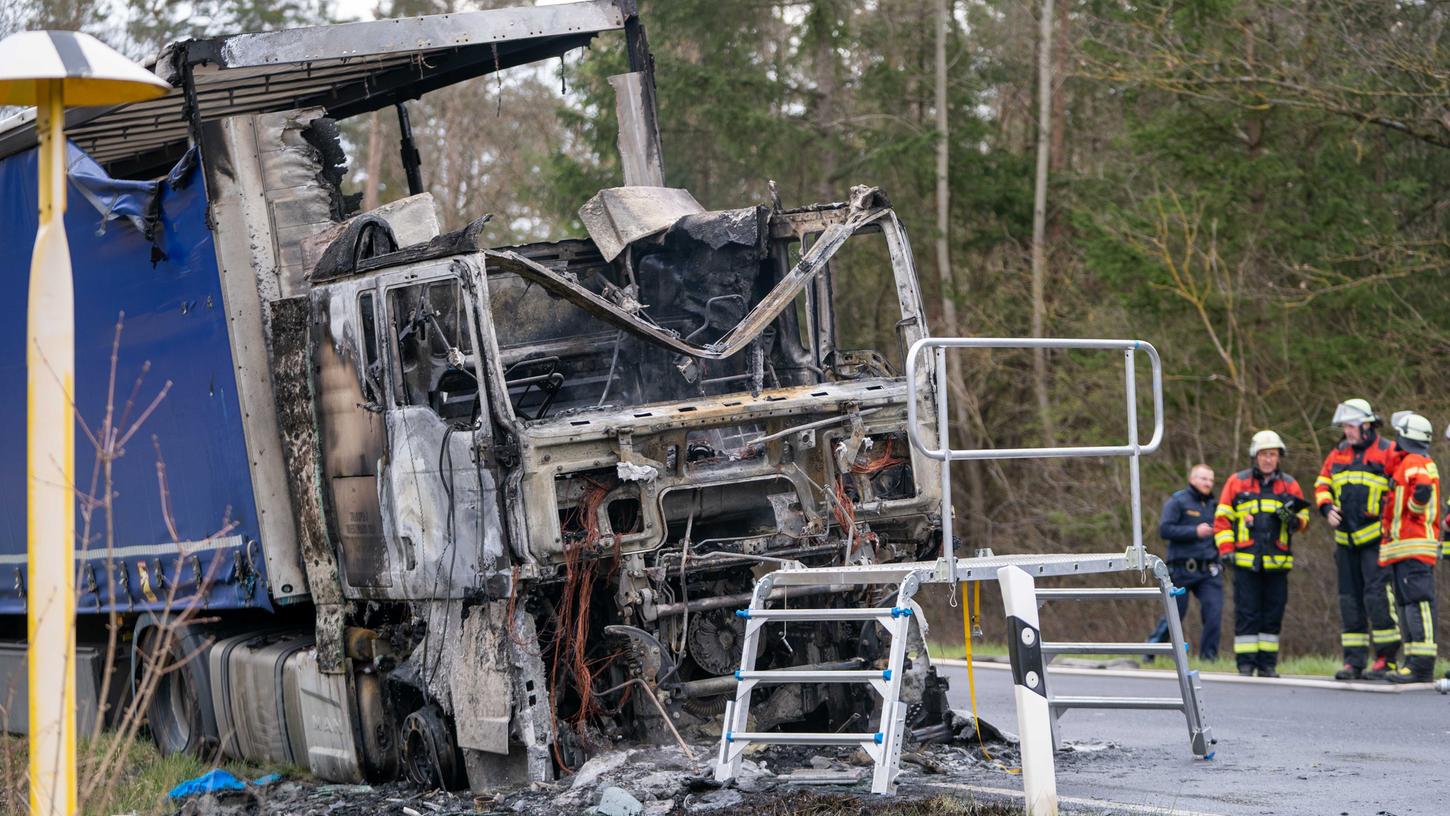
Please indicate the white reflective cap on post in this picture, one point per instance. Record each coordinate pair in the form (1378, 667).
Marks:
(90, 72)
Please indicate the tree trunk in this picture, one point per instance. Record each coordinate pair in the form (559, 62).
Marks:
(1039, 219)
(373, 163)
(827, 90)
(976, 498)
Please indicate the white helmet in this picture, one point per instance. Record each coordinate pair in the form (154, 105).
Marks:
(1263, 440)
(1410, 425)
(1353, 412)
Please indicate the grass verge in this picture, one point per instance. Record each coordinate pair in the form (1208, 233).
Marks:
(140, 787)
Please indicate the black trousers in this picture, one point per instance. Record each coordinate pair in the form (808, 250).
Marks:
(1208, 586)
(1415, 591)
(1366, 608)
(1259, 600)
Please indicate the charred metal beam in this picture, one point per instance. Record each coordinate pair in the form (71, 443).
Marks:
(728, 601)
(412, 159)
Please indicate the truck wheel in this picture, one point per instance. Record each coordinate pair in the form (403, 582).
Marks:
(429, 758)
(174, 712)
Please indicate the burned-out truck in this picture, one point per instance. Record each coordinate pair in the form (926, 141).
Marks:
(413, 504)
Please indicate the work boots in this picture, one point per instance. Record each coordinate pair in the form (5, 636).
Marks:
(1415, 670)
(1349, 672)
(1381, 669)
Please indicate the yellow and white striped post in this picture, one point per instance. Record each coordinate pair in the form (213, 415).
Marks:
(52, 70)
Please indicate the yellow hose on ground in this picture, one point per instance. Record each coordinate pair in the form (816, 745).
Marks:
(971, 613)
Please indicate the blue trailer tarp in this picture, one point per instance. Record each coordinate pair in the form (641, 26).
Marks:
(141, 254)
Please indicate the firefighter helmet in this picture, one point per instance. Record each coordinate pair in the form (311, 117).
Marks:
(1410, 425)
(1353, 412)
(1263, 440)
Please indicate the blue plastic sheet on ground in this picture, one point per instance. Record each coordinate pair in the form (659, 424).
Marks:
(209, 782)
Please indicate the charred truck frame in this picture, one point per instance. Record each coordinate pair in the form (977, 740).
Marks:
(488, 509)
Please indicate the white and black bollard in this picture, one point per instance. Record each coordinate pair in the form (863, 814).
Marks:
(1034, 714)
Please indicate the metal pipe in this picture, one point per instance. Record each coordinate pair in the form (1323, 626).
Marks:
(943, 438)
(819, 423)
(1130, 388)
(649, 692)
(735, 601)
(725, 683)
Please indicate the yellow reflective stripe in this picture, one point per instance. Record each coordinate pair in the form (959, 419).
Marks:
(1407, 547)
(1427, 619)
(1223, 510)
(1386, 636)
(1223, 537)
(1243, 559)
(1359, 477)
(1446, 550)
(1350, 640)
(1419, 649)
(1268, 643)
(1246, 644)
(1278, 562)
(1373, 504)
(1366, 534)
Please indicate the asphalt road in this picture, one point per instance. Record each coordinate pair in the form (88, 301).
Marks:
(1281, 750)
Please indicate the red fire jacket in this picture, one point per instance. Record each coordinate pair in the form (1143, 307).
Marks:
(1356, 480)
(1266, 543)
(1411, 515)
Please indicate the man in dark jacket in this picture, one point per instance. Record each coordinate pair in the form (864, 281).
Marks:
(1187, 526)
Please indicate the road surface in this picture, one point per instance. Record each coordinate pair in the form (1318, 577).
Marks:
(1281, 750)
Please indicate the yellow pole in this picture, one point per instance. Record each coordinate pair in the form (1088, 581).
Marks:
(50, 514)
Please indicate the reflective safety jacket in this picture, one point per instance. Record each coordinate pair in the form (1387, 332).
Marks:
(1355, 478)
(1266, 543)
(1412, 514)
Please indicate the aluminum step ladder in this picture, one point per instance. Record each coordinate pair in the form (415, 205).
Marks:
(884, 744)
(1190, 686)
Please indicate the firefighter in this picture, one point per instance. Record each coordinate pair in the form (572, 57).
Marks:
(1258, 513)
(1350, 495)
(1410, 546)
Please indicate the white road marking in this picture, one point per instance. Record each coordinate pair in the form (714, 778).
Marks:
(1103, 804)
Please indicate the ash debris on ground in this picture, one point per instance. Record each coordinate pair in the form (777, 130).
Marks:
(663, 781)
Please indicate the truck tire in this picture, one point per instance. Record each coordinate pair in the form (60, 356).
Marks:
(178, 713)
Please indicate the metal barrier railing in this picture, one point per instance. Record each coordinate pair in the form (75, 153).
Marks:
(946, 454)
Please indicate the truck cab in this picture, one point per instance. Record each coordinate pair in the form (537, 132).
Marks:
(485, 491)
